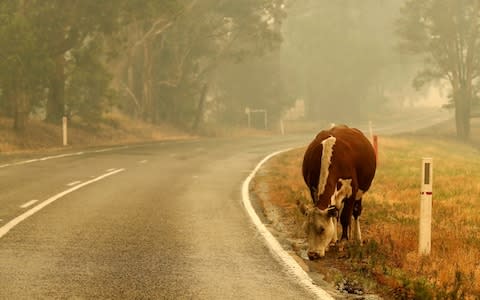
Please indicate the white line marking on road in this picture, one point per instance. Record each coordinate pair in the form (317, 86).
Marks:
(29, 203)
(282, 256)
(110, 170)
(24, 162)
(73, 183)
(103, 150)
(143, 161)
(7, 227)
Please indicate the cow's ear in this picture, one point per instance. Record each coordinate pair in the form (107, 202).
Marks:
(332, 211)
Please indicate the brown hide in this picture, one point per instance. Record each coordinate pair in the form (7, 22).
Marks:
(353, 158)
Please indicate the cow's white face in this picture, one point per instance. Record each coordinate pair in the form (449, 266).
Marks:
(320, 229)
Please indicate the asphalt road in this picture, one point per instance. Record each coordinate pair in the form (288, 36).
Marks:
(158, 221)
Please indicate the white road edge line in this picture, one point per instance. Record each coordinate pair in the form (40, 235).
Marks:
(282, 256)
(29, 203)
(7, 227)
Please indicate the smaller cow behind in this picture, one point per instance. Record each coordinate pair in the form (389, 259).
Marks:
(338, 168)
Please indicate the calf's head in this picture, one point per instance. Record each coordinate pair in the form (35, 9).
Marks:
(320, 229)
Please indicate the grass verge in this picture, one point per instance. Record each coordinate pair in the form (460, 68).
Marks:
(389, 221)
(115, 129)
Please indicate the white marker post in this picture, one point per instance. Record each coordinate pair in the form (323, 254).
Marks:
(247, 112)
(64, 131)
(425, 241)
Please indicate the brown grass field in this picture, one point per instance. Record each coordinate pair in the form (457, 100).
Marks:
(390, 217)
(115, 129)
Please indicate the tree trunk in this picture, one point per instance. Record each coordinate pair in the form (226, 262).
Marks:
(147, 84)
(134, 111)
(462, 113)
(56, 97)
(8, 105)
(201, 104)
(21, 110)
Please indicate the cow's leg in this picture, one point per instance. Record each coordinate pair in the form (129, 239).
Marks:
(343, 189)
(346, 217)
(335, 230)
(357, 211)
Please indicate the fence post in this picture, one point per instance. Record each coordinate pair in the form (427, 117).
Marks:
(64, 131)
(425, 230)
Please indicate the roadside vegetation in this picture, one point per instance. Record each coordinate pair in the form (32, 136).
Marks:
(115, 129)
(157, 61)
(389, 255)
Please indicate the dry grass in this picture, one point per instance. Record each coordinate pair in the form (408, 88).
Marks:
(116, 129)
(391, 209)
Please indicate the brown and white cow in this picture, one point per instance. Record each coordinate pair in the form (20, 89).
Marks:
(338, 168)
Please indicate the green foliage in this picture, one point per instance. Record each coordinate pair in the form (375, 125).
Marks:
(87, 90)
(446, 34)
(71, 56)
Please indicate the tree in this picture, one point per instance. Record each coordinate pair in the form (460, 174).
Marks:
(446, 33)
(336, 54)
(162, 54)
(87, 88)
(175, 48)
(66, 26)
(40, 46)
(22, 58)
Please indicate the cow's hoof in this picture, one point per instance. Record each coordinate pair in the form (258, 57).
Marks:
(313, 255)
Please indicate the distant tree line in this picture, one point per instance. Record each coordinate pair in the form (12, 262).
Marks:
(446, 34)
(155, 60)
(343, 56)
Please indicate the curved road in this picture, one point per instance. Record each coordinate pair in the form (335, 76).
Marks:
(158, 221)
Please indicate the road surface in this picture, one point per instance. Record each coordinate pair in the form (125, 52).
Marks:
(159, 221)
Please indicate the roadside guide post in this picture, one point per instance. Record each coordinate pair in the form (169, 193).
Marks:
(247, 112)
(424, 241)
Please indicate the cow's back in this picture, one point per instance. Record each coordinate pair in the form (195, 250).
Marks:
(351, 148)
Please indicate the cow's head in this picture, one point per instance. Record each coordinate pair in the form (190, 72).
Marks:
(320, 229)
